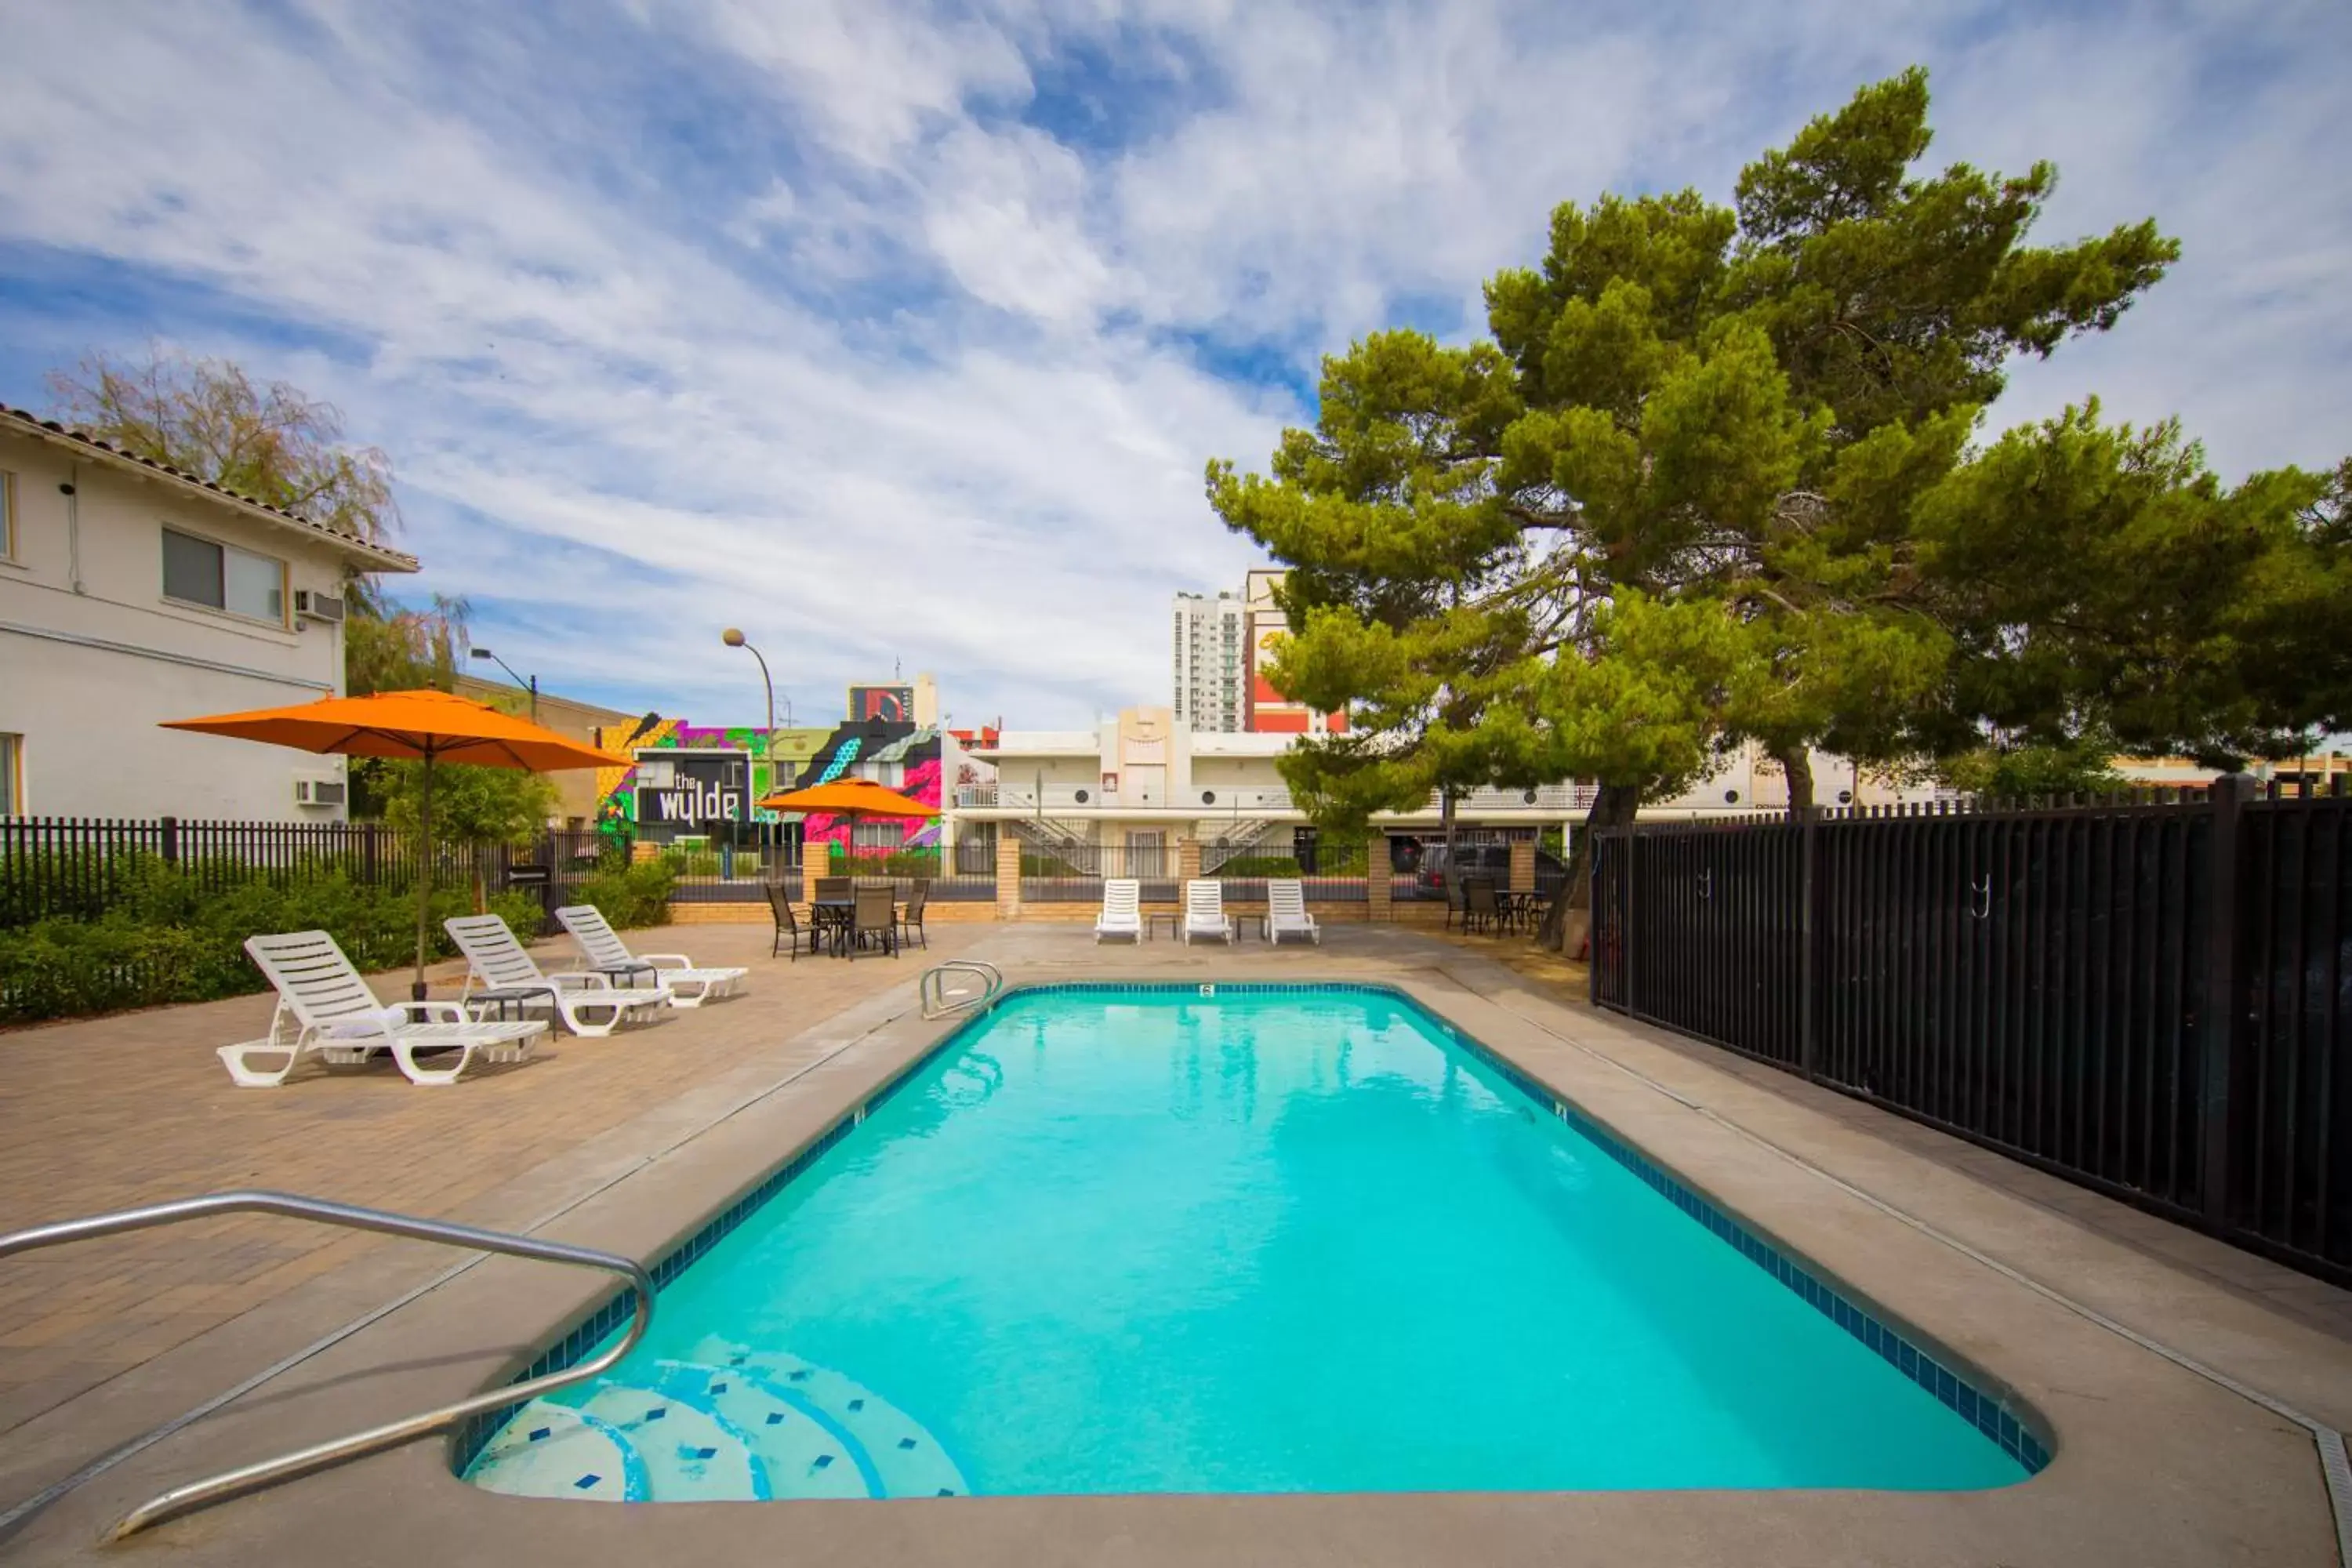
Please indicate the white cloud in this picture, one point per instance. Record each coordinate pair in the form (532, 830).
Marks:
(781, 315)
(772, 208)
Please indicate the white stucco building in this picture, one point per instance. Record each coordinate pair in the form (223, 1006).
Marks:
(130, 593)
(1142, 781)
(1139, 783)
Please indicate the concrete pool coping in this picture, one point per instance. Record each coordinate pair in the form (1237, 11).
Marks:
(2154, 1464)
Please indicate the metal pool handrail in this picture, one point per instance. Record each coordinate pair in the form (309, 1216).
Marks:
(195, 1494)
(938, 1003)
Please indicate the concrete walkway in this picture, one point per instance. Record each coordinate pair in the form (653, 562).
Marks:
(106, 1114)
(627, 1142)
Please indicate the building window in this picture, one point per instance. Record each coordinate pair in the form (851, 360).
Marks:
(12, 780)
(223, 577)
(7, 515)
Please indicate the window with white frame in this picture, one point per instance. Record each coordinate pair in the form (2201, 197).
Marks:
(223, 577)
(12, 778)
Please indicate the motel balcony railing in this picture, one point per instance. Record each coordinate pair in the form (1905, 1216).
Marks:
(1547, 800)
(1092, 797)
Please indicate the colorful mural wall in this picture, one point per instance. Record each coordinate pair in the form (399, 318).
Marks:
(707, 787)
(619, 812)
(901, 755)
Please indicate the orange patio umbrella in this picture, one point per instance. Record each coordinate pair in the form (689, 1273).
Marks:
(848, 797)
(852, 798)
(428, 726)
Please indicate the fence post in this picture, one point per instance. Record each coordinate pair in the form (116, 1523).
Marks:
(171, 839)
(1188, 862)
(1625, 923)
(1008, 875)
(1595, 925)
(1808, 1035)
(371, 866)
(816, 861)
(2222, 986)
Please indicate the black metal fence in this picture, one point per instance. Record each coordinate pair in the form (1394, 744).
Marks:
(80, 867)
(2151, 995)
(1326, 872)
(713, 872)
(947, 879)
(1074, 872)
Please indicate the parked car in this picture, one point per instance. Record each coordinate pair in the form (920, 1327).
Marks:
(1427, 864)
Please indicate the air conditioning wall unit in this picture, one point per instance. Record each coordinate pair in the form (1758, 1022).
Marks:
(312, 606)
(320, 791)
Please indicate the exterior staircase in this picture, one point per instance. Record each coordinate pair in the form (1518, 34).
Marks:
(1044, 833)
(1239, 839)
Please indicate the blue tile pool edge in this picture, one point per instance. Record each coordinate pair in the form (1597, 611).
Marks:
(1999, 1416)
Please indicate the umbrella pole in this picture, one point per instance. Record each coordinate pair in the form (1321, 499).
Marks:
(423, 877)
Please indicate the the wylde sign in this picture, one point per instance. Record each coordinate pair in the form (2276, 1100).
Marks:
(678, 788)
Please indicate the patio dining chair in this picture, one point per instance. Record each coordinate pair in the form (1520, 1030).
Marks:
(911, 916)
(789, 933)
(1481, 908)
(872, 917)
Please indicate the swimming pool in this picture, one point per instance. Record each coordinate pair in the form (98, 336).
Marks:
(1272, 1239)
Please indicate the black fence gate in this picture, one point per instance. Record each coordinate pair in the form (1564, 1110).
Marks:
(2041, 980)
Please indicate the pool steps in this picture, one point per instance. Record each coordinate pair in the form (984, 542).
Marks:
(727, 1424)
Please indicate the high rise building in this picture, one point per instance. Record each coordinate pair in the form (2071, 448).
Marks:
(1220, 641)
(1210, 661)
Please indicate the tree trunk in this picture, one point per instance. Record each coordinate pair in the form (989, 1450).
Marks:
(1614, 805)
(1797, 762)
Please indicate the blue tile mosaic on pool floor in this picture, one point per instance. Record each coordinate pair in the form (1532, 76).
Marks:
(1990, 1414)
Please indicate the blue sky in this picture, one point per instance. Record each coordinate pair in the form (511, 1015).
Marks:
(898, 334)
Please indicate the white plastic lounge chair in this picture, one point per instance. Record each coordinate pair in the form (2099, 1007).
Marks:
(1286, 912)
(1204, 912)
(601, 947)
(327, 1008)
(1122, 913)
(589, 1004)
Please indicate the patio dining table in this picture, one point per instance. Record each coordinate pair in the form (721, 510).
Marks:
(831, 918)
(834, 918)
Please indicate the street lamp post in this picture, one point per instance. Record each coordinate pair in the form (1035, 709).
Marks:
(530, 686)
(734, 639)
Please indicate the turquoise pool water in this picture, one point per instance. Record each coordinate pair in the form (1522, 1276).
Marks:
(1137, 1241)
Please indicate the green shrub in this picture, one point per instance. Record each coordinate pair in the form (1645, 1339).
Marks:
(635, 895)
(923, 862)
(58, 968)
(168, 938)
(523, 913)
(1259, 865)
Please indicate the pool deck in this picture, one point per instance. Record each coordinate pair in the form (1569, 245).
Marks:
(630, 1144)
